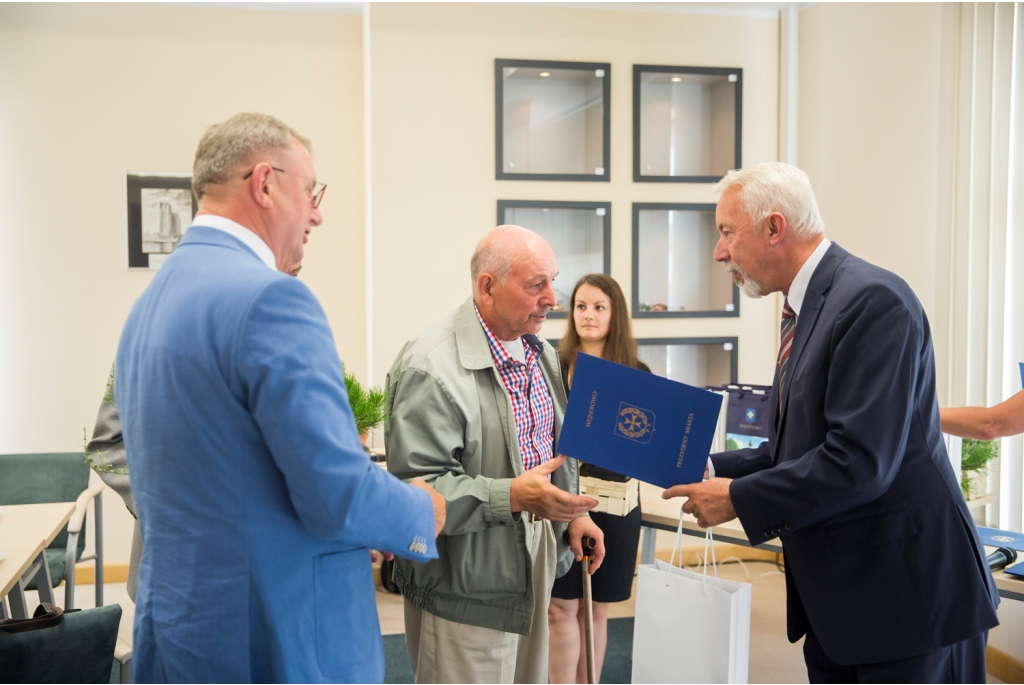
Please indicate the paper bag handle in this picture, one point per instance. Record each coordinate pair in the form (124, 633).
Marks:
(678, 547)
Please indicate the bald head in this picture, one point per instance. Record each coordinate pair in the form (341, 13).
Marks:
(513, 269)
(500, 249)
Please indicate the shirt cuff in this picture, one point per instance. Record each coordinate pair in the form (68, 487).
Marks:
(500, 501)
(711, 468)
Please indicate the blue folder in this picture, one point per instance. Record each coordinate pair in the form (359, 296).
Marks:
(638, 424)
(993, 537)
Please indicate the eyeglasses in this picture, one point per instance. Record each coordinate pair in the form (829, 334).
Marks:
(318, 188)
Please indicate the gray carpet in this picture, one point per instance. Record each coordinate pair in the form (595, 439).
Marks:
(618, 662)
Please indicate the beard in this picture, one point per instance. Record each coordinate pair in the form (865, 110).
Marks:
(749, 286)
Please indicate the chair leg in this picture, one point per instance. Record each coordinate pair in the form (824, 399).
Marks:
(4, 611)
(98, 526)
(69, 571)
(44, 581)
(19, 608)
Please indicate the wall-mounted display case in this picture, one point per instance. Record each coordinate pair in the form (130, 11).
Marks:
(580, 234)
(687, 123)
(674, 270)
(552, 120)
(695, 361)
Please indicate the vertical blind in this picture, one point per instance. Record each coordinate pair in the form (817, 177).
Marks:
(985, 336)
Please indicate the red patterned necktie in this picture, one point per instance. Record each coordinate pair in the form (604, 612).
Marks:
(788, 329)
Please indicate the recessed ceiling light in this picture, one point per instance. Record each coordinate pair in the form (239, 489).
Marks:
(545, 74)
(677, 79)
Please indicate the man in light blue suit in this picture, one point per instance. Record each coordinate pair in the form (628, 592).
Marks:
(255, 499)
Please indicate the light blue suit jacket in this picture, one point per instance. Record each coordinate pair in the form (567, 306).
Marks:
(255, 498)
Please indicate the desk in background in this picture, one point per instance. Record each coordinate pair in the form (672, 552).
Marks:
(661, 514)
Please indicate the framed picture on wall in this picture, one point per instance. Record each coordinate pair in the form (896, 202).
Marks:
(160, 207)
(687, 123)
(552, 120)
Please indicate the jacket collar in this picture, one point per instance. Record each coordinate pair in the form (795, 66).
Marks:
(474, 352)
(814, 300)
(203, 235)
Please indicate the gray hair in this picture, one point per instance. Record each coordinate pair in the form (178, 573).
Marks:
(777, 187)
(236, 141)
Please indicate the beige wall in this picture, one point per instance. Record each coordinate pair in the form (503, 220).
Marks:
(869, 131)
(88, 92)
(434, 191)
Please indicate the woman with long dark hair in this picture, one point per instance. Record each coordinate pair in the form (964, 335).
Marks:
(599, 326)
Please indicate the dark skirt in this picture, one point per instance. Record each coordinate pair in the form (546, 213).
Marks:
(613, 582)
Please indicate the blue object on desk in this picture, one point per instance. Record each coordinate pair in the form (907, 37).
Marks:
(638, 424)
(1016, 570)
(1022, 373)
(993, 537)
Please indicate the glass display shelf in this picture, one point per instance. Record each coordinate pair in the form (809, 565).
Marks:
(687, 123)
(552, 120)
(699, 362)
(580, 234)
(674, 270)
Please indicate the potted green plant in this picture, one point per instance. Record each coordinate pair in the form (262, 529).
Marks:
(974, 463)
(369, 407)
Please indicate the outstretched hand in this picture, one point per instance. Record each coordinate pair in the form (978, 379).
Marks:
(709, 501)
(533, 492)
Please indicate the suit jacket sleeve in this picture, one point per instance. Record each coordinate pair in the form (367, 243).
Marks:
(739, 463)
(296, 393)
(425, 436)
(868, 410)
(108, 441)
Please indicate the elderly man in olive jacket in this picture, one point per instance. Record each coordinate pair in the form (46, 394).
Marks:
(477, 404)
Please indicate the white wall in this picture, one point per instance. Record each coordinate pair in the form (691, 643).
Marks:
(88, 92)
(434, 191)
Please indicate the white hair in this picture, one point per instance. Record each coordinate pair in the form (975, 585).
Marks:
(776, 187)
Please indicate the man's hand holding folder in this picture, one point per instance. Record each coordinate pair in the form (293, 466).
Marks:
(709, 501)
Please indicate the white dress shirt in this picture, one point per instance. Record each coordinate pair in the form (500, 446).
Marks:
(250, 239)
(803, 277)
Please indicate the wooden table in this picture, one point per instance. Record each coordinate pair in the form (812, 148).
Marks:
(25, 532)
(660, 514)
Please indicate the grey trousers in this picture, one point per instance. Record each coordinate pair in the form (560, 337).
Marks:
(443, 651)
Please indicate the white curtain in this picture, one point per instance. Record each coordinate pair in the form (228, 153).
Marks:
(985, 332)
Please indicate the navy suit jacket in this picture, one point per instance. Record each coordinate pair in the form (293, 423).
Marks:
(883, 560)
(256, 501)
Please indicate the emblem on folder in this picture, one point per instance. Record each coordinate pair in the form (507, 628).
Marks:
(1003, 538)
(634, 423)
(751, 415)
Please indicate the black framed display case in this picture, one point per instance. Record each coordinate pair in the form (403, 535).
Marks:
(552, 120)
(674, 271)
(699, 362)
(687, 123)
(160, 208)
(580, 233)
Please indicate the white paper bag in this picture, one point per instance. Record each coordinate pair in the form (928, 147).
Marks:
(689, 627)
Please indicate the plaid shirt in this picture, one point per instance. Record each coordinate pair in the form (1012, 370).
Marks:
(532, 408)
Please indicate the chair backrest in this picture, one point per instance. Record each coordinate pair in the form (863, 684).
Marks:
(44, 477)
(80, 649)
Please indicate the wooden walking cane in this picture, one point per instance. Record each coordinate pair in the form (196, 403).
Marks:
(589, 544)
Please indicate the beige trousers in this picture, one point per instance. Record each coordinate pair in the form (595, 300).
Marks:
(443, 651)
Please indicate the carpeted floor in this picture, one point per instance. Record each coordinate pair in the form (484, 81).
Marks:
(618, 661)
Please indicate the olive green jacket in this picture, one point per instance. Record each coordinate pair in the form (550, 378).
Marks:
(451, 423)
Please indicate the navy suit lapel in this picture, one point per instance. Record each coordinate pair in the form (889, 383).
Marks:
(814, 301)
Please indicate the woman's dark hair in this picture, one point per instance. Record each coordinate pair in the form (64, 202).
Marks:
(619, 346)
